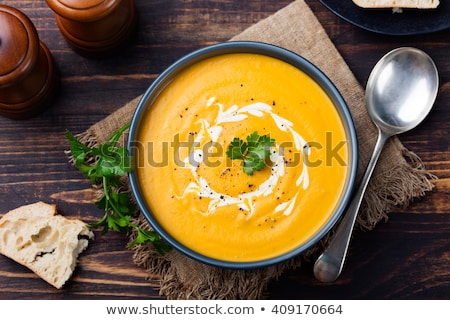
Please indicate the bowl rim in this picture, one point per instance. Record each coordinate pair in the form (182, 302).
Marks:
(301, 63)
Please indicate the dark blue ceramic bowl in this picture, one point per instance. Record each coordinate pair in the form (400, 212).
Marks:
(245, 47)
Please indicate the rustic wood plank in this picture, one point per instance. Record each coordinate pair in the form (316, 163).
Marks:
(405, 258)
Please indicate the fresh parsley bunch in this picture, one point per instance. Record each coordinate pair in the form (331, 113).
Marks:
(254, 152)
(104, 165)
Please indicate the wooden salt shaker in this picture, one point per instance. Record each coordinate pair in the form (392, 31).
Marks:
(28, 75)
(95, 28)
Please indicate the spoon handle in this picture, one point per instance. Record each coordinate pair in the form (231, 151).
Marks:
(329, 265)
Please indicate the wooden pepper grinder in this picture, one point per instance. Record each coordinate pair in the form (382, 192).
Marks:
(28, 76)
(95, 28)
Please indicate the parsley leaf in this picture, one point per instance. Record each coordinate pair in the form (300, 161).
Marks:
(254, 152)
(104, 165)
(237, 149)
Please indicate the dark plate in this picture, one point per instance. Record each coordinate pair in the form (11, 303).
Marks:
(410, 22)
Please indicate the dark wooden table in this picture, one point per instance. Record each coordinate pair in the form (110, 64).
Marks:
(406, 258)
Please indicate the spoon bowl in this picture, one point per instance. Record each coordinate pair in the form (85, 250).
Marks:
(401, 90)
(400, 93)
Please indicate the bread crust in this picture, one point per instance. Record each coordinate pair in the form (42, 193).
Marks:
(418, 4)
(47, 243)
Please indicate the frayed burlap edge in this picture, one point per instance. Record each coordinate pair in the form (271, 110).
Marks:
(393, 188)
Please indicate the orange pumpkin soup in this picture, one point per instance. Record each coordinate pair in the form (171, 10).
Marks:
(205, 200)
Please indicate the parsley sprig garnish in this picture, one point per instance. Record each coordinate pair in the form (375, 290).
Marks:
(105, 165)
(254, 152)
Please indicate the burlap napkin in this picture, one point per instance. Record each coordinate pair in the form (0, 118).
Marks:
(398, 177)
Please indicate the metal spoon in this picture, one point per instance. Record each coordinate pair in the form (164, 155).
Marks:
(400, 92)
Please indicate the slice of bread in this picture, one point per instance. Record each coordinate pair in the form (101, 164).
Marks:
(419, 4)
(47, 243)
